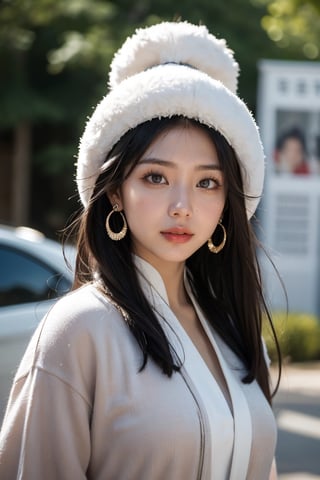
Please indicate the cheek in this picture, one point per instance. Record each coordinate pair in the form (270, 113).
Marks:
(210, 215)
(212, 207)
(138, 203)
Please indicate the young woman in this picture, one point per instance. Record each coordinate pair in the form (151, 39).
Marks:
(154, 366)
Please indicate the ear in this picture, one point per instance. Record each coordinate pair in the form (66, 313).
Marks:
(115, 198)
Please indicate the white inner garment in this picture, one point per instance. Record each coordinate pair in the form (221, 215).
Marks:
(221, 424)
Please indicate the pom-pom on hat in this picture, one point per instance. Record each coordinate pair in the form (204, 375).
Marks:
(165, 70)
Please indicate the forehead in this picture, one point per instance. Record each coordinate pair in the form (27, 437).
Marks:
(183, 141)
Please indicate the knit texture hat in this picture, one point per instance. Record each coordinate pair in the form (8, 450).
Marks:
(165, 70)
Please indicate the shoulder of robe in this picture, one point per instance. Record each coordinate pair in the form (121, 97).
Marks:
(81, 327)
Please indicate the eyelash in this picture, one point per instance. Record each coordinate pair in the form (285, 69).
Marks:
(147, 178)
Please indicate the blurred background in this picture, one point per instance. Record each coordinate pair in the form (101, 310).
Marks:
(55, 56)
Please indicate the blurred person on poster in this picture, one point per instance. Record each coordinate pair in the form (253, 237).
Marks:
(291, 153)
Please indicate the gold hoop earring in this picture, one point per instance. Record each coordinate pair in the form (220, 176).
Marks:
(217, 248)
(116, 235)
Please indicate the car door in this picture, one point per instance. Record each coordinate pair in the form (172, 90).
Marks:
(28, 288)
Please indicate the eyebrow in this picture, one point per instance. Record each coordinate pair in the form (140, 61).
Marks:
(167, 163)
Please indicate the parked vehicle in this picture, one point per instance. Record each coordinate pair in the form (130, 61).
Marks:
(33, 274)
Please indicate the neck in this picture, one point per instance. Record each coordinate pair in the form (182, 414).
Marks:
(173, 280)
(172, 275)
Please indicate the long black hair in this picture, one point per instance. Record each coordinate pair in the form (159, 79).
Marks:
(226, 285)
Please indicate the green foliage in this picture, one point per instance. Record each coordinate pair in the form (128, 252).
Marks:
(46, 43)
(298, 335)
(294, 24)
(55, 159)
(44, 47)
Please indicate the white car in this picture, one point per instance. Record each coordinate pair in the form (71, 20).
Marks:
(33, 273)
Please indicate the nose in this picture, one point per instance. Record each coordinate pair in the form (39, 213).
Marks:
(180, 204)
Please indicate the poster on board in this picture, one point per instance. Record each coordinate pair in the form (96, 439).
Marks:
(296, 148)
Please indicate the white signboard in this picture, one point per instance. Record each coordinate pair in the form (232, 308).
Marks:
(289, 120)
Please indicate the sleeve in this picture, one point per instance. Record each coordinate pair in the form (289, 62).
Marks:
(45, 432)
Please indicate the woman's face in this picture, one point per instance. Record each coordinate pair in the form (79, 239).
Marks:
(174, 197)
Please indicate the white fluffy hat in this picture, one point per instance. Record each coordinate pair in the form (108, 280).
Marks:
(172, 69)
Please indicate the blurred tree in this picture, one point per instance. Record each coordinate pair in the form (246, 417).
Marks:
(42, 102)
(293, 25)
(21, 103)
(55, 56)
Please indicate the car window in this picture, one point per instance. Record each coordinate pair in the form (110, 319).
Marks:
(23, 278)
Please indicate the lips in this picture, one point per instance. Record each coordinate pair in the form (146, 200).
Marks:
(177, 235)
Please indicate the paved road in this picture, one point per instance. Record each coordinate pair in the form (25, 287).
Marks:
(297, 408)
